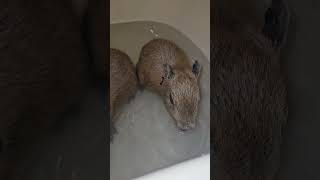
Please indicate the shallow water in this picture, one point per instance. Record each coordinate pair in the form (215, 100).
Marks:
(147, 138)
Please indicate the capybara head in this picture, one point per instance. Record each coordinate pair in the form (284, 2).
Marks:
(182, 94)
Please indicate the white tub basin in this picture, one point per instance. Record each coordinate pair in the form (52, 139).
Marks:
(147, 139)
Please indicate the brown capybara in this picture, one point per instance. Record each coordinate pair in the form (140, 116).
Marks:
(123, 83)
(249, 106)
(165, 69)
(43, 71)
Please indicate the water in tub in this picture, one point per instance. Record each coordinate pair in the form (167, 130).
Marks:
(147, 137)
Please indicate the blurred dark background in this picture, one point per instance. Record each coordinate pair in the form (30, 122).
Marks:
(76, 147)
(301, 151)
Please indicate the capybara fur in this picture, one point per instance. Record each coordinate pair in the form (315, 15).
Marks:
(249, 106)
(123, 83)
(166, 70)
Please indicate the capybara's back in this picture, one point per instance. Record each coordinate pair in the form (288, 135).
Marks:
(123, 80)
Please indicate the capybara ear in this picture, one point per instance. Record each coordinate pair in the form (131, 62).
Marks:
(196, 68)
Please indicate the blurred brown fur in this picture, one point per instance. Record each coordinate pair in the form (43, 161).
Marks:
(43, 70)
(248, 93)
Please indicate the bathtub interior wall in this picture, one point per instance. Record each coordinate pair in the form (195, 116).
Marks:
(147, 138)
(190, 17)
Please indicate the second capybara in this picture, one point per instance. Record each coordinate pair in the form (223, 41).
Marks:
(123, 83)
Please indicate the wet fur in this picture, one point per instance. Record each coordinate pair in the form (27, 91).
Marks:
(248, 98)
(123, 83)
(151, 73)
(43, 71)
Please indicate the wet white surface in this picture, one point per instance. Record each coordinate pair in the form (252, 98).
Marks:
(147, 138)
(198, 168)
(190, 17)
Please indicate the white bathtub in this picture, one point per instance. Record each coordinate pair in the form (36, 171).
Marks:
(194, 169)
(192, 18)
(188, 16)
